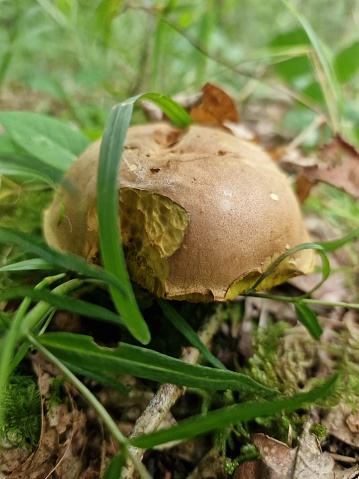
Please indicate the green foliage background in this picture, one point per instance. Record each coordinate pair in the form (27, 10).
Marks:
(88, 55)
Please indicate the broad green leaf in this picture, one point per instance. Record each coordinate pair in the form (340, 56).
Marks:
(81, 351)
(28, 168)
(7, 145)
(309, 319)
(346, 63)
(62, 302)
(184, 328)
(294, 67)
(314, 92)
(45, 138)
(222, 418)
(67, 261)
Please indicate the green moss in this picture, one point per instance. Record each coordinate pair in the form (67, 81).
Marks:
(23, 210)
(21, 424)
(319, 431)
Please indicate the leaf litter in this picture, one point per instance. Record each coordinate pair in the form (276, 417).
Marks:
(305, 461)
(65, 436)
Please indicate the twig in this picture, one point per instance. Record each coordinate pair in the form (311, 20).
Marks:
(167, 394)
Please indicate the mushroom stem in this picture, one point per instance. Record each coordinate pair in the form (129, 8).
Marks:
(168, 394)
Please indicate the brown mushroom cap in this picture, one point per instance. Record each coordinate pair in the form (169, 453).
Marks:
(203, 213)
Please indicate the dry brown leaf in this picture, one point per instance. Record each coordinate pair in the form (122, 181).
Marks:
(303, 187)
(249, 470)
(306, 461)
(11, 459)
(338, 166)
(343, 425)
(310, 461)
(277, 457)
(216, 107)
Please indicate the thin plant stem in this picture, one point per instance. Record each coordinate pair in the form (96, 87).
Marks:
(293, 299)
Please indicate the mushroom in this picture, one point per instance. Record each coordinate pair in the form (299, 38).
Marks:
(203, 213)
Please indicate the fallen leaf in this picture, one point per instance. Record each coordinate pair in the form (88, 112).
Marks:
(216, 107)
(303, 187)
(310, 461)
(277, 456)
(338, 165)
(306, 461)
(11, 459)
(249, 470)
(342, 424)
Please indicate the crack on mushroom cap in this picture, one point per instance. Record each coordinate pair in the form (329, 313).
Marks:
(152, 228)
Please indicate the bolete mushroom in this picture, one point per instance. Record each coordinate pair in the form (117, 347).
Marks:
(203, 213)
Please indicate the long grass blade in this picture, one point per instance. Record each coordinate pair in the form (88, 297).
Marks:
(67, 261)
(108, 208)
(144, 363)
(324, 69)
(290, 252)
(28, 265)
(108, 213)
(66, 303)
(224, 417)
(184, 328)
(309, 319)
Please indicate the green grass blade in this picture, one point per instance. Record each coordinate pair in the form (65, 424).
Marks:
(62, 302)
(224, 417)
(175, 112)
(145, 363)
(115, 467)
(323, 67)
(309, 319)
(330, 246)
(108, 212)
(290, 252)
(108, 208)
(184, 328)
(10, 167)
(28, 265)
(67, 261)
